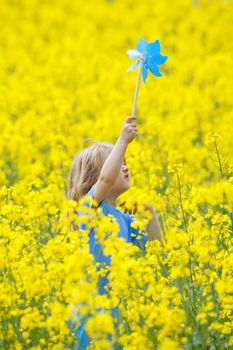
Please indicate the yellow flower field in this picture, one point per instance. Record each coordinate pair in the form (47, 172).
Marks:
(63, 86)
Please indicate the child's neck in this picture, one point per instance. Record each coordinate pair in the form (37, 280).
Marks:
(112, 201)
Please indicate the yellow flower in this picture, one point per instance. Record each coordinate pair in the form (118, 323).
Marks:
(170, 344)
(65, 88)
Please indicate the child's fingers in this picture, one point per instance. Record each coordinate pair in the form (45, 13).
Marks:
(132, 127)
(135, 130)
(133, 124)
(130, 119)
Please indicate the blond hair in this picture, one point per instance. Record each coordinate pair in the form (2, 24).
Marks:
(86, 168)
(85, 171)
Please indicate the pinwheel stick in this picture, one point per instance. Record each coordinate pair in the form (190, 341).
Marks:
(137, 87)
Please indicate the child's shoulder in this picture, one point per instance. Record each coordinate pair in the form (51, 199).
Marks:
(88, 199)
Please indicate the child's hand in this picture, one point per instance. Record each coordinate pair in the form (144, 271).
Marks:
(129, 130)
(149, 207)
(134, 210)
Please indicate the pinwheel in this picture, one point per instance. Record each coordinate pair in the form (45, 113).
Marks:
(149, 57)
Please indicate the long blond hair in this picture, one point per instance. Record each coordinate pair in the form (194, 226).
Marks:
(85, 171)
(86, 168)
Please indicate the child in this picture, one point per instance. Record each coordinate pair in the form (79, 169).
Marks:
(101, 173)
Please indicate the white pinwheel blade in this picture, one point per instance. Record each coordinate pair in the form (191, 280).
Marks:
(133, 66)
(133, 54)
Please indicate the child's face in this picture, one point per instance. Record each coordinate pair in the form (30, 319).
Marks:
(122, 182)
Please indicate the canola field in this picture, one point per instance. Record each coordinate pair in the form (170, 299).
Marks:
(63, 86)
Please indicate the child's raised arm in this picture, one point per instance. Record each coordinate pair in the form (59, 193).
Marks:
(114, 161)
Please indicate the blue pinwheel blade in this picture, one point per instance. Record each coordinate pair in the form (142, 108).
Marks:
(144, 72)
(158, 59)
(153, 48)
(142, 45)
(154, 69)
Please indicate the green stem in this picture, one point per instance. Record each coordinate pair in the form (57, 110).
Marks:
(219, 159)
(181, 203)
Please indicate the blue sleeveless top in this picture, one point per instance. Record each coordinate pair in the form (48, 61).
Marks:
(124, 221)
